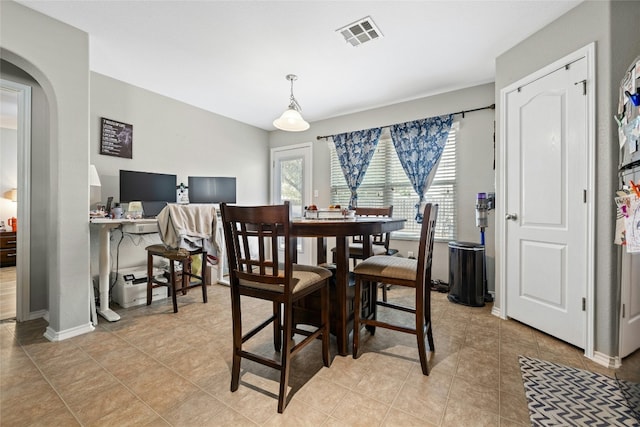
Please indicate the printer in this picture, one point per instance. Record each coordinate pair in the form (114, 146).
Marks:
(131, 286)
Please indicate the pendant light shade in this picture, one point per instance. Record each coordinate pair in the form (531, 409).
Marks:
(291, 120)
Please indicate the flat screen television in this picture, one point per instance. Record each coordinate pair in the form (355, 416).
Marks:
(212, 189)
(147, 187)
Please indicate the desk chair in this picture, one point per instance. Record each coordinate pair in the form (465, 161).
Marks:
(403, 272)
(264, 275)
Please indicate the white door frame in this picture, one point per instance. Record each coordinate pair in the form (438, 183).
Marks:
(23, 289)
(308, 146)
(500, 310)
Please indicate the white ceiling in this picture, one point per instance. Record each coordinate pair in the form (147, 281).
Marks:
(231, 57)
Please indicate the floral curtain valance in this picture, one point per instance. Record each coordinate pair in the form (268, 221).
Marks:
(419, 145)
(354, 151)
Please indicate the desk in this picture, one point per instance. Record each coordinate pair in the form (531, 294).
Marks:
(341, 229)
(106, 225)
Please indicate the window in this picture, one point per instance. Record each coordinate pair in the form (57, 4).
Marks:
(385, 183)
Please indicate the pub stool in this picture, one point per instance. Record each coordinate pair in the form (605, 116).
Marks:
(412, 273)
(183, 256)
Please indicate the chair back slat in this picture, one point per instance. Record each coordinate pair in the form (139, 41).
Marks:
(376, 239)
(425, 250)
(253, 236)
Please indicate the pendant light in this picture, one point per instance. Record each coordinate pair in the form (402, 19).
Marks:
(291, 120)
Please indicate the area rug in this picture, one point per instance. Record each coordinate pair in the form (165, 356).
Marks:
(559, 395)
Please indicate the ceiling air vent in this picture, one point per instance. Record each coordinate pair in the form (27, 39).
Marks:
(360, 31)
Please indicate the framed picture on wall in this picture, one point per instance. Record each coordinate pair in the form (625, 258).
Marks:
(116, 138)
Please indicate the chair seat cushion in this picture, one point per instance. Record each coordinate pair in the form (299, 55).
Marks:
(303, 276)
(355, 250)
(179, 254)
(388, 266)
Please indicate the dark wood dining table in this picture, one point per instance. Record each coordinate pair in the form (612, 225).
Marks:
(342, 229)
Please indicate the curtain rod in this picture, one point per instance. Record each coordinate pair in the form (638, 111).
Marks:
(463, 112)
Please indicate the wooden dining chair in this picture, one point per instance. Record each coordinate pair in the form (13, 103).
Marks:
(264, 275)
(413, 273)
(379, 242)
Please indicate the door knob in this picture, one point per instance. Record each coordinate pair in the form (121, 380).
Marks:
(512, 217)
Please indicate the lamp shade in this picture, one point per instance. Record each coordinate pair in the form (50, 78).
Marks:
(11, 195)
(94, 178)
(292, 121)
(95, 190)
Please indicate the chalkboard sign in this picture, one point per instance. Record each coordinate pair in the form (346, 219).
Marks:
(116, 138)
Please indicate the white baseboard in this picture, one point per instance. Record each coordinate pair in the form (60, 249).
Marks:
(52, 335)
(611, 362)
(40, 314)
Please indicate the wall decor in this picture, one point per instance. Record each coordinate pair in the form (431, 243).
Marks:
(116, 138)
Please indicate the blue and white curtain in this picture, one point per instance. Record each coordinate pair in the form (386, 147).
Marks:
(419, 145)
(354, 151)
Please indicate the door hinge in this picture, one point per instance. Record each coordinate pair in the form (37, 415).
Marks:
(584, 304)
(584, 86)
(584, 196)
(623, 311)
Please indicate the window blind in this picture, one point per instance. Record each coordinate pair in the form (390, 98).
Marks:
(385, 183)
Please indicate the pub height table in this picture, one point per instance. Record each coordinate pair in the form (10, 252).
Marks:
(342, 294)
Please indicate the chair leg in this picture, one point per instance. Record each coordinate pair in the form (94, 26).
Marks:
(373, 302)
(277, 327)
(357, 303)
(149, 278)
(324, 302)
(237, 340)
(285, 357)
(427, 320)
(420, 335)
(384, 292)
(186, 278)
(174, 291)
(203, 275)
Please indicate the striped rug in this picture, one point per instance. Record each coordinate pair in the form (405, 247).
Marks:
(559, 395)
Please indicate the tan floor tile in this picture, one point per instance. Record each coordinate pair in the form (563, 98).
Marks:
(356, 409)
(200, 409)
(78, 391)
(179, 365)
(29, 403)
(395, 418)
(514, 407)
(459, 414)
(59, 418)
(425, 403)
(474, 395)
(134, 414)
(322, 394)
(96, 405)
(296, 414)
(380, 386)
(164, 392)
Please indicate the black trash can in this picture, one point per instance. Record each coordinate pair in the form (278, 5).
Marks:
(466, 273)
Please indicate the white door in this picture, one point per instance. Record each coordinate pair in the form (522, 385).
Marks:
(546, 228)
(630, 296)
(291, 180)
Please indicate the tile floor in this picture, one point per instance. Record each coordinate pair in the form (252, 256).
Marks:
(7, 292)
(156, 368)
